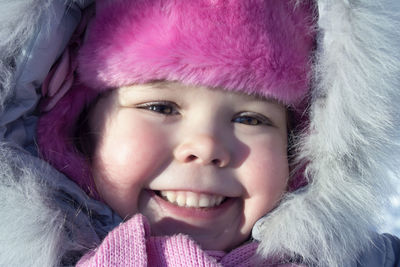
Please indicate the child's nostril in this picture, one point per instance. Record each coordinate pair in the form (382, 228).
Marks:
(216, 162)
(192, 157)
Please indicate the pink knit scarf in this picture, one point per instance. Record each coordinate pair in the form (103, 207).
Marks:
(130, 244)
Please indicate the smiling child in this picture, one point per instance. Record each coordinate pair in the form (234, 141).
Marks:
(199, 133)
(219, 158)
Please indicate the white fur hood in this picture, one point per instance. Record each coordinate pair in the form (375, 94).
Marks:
(351, 146)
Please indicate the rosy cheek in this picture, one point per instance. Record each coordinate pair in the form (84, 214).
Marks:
(130, 152)
(269, 171)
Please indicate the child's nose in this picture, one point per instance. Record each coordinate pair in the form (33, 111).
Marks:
(203, 149)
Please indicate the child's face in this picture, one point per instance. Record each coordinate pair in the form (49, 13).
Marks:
(203, 162)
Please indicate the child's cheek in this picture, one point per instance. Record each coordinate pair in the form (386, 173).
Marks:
(127, 156)
(135, 148)
(266, 176)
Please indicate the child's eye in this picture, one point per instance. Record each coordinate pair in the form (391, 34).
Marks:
(163, 107)
(250, 118)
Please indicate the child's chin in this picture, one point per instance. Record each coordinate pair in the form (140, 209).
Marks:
(207, 238)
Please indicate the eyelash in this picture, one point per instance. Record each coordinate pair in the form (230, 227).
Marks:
(252, 119)
(170, 109)
(163, 107)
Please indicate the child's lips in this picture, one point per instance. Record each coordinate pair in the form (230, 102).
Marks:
(186, 206)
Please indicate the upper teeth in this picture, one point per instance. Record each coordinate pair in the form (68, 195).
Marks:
(191, 199)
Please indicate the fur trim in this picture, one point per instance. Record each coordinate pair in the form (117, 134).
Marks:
(16, 30)
(20, 22)
(25, 204)
(197, 42)
(44, 213)
(351, 144)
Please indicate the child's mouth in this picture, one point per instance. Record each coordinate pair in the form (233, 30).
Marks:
(191, 199)
(195, 208)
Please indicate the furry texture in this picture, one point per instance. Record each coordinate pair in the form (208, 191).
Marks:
(351, 143)
(46, 220)
(349, 147)
(235, 45)
(42, 225)
(15, 30)
(17, 26)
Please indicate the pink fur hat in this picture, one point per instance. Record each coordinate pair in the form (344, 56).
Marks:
(253, 46)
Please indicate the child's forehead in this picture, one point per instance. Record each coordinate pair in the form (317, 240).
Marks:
(178, 87)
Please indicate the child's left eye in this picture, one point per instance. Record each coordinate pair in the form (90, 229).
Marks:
(251, 119)
(163, 107)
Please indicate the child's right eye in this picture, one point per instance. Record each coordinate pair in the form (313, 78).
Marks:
(162, 107)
